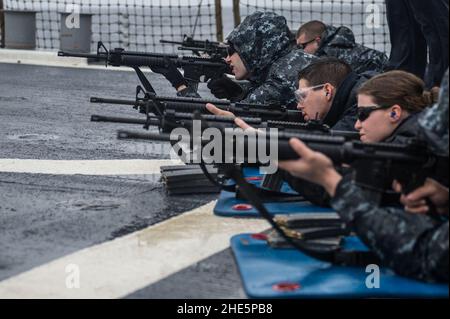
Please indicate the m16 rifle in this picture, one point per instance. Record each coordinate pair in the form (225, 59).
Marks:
(148, 102)
(196, 69)
(375, 165)
(170, 119)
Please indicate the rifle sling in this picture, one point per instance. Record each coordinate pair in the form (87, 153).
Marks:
(328, 254)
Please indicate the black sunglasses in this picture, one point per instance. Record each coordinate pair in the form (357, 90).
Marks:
(303, 45)
(363, 113)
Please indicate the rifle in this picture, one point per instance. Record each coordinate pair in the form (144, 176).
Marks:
(200, 47)
(147, 102)
(196, 69)
(170, 119)
(168, 113)
(375, 166)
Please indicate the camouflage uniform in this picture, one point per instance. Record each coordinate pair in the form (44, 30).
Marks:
(412, 245)
(267, 49)
(340, 43)
(434, 121)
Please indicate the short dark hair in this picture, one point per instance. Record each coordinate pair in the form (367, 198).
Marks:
(312, 29)
(325, 70)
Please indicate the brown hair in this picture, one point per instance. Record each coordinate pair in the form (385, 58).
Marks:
(312, 29)
(399, 88)
(326, 70)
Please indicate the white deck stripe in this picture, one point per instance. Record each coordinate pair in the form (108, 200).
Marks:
(96, 167)
(50, 58)
(117, 268)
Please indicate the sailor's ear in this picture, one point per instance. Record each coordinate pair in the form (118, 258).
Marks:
(395, 113)
(329, 91)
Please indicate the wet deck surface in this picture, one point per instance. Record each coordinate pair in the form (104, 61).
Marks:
(45, 115)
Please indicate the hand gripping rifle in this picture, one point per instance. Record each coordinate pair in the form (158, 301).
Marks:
(196, 69)
(271, 115)
(148, 101)
(169, 113)
(376, 166)
(180, 112)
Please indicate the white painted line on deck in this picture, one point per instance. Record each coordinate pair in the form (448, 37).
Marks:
(120, 267)
(90, 167)
(50, 58)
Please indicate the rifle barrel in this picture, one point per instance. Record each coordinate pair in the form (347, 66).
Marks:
(170, 42)
(81, 55)
(100, 100)
(127, 135)
(123, 120)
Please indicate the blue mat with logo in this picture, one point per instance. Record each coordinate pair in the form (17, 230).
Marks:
(287, 273)
(230, 206)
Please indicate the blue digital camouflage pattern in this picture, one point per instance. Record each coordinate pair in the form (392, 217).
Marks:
(434, 121)
(267, 49)
(340, 43)
(412, 245)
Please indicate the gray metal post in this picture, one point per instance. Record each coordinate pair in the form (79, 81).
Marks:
(2, 25)
(236, 13)
(20, 29)
(219, 22)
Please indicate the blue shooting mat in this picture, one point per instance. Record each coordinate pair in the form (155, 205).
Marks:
(229, 206)
(287, 273)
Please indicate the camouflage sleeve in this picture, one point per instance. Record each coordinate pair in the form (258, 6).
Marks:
(361, 59)
(412, 245)
(273, 90)
(282, 80)
(434, 121)
(247, 87)
(371, 60)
